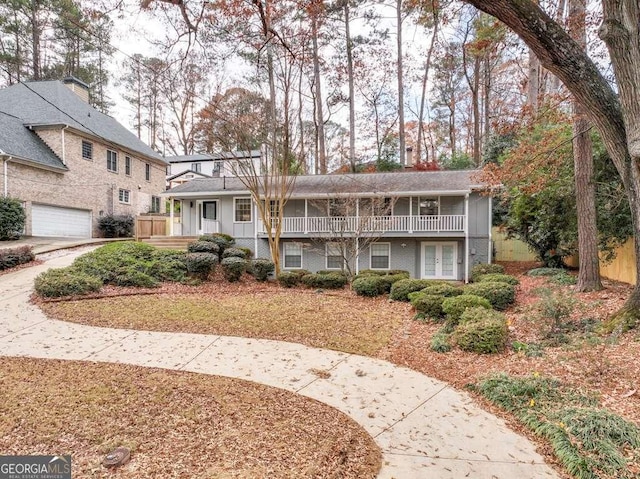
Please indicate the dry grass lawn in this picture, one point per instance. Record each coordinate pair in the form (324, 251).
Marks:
(176, 424)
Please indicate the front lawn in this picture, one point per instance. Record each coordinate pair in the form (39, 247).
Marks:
(176, 424)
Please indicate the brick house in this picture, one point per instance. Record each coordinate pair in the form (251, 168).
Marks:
(435, 224)
(70, 163)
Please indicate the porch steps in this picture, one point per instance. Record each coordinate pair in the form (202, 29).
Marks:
(170, 242)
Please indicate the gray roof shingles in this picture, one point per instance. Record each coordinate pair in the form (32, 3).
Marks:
(415, 182)
(52, 103)
(20, 142)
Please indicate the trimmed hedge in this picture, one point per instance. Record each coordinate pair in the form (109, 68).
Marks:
(248, 253)
(545, 271)
(500, 295)
(454, 307)
(289, 279)
(387, 272)
(55, 283)
(234, 253)
(223, 241)
(233, 267)
(201, 265)
(430, 305)
(371, 285)
(482, 269)
(203, 247)
(483, 337)
(116, 226)
(402, 288)
(261, 268)
(325, 280)
(440, 341)
(479, 314)
(445, 289)
(499, 278)
(10, 257)
(12, 218)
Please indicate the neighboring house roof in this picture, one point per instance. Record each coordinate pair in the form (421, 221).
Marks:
(23, 144)
(227, 155)
(177, 175)
(51, 103)
(323, 186)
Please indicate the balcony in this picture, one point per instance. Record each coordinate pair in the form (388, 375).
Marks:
(330, 225)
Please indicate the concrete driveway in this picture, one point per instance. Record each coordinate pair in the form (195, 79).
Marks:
(45, 244)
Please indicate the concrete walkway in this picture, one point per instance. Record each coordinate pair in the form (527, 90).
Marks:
(425, 428)
(46, 244)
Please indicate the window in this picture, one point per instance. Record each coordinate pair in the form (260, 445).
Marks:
(155, 204)
(124, 196)
(217, 167)
(127, 165)
(242, 207)
(210, 210)
(428, 206)
(292, 255)
(87, 150)
(112, 161)
(335, 259)
(380, 253)
(196, 167)
(147, 171)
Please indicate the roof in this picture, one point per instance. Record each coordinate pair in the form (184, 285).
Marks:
(21, 143)
(227, 155)
(49, 103)
(323, 186)
(173, 177)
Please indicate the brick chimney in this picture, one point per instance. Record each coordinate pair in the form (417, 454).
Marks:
(77, 86)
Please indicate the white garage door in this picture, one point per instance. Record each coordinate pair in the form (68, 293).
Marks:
(56, 221)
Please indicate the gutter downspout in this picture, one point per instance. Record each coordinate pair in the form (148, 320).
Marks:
(64, 156)
(5, 171)
(171, 205)
(466, 239)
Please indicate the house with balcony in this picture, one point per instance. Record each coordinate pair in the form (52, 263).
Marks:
(217, 165)
(435, 224)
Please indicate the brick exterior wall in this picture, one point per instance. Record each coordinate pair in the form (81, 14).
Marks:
(88, 185)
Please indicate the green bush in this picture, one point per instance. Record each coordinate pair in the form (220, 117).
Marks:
(454, 307)
(234, 253)
(429, 305)
(371, 285)
(332, 271)
(233, 267)
(248, 253)
(545, 271)
(500, 295)
(330, 280)
(200, 265)
(445, 289)
(223, 241)
(483, 336)
(482, 269)
(116, 226)
(499, 278)
(203, 247)
(261, 268)
(289, 279)
(563, 279)
(479, 314)
(440, 341)
(402, 288)
(386, 272)
(10, 257)
(131, 276)
(168, 265)
(68, 281)
(12, 218)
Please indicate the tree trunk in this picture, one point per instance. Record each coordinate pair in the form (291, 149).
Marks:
(35, 39)
(475, 99)
(588, 259)
(423, 96)
(322, 150)
(568, 61)
(533, 86)
(352, 107)
(401, 133)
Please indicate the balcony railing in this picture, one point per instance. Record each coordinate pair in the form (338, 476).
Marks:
(372, 224)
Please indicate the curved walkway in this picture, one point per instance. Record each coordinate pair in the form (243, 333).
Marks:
(424, 427)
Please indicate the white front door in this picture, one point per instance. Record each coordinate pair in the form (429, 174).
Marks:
(439, 260)
(207, 216)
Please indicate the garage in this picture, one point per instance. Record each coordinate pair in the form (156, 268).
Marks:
(57, 221)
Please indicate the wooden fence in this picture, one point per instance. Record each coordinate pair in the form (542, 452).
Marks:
(510, 249)
(148, 226)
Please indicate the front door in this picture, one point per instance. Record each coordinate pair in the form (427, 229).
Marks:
(439, 260)
(207, 216)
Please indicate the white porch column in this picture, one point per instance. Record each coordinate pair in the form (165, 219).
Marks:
(466, 238)
(171, 216)
(410, 214)
(306, 216)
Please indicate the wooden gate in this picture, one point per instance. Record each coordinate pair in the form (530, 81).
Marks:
(148, 226)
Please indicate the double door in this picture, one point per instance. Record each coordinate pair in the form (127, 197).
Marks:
(440, 260)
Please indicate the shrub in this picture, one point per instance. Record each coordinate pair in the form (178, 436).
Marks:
(168, 265)
(430, 305)
(261, 268)
(130, 276)
(479, 314)
(402, 288)
(481, 269)
(234, 253)
(370, 286)
(390, 279)
(203, 247)
(223, 241)
(332, 280)
(563, 279)
(65, 282)
(12, 218)
(440, 341)
(499, 278)
(116, 226)
(545, 271)
(483, 336)
(200, 265)
(500, 295)
(445, 289)
(248, 253)
(11, 257)
(332, 271)
(454, 307)
(388, 272)
(233, 267)
(289, 279)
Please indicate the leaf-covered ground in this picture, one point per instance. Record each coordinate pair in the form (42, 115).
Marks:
(176, 424)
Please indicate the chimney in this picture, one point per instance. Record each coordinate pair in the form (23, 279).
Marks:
(77, 86)
(409, 157)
